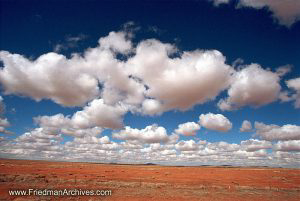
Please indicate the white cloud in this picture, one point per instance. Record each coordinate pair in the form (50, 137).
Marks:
(56, 121)
(215, 122)
(285, 12)
(58, 48)
(40, 141)
(67, 126)
(190, 145)
(4, 122)
(295, 85)
(151, 107)
(283, 70)
(255, 145)
(89, 121)
(146, 82)
(70, 42)
(117, 41)
(149, 81)
(150, 134)
(202, 74)
(74, 81)
(246, 126)
(262, 153)
(50, 76)
(144, 146)
(92, 148)
(92, 140)
(207, 152)
(287, 157)
(252, 86)
(274, 132)
(97, 113)
(292, 145)
(80, 133)
(223, 147)
(285, 96)
(131, 145)
(188, 129)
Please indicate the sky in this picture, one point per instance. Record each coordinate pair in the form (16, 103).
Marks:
(198, 82)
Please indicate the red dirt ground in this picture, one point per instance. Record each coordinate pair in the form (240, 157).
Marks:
(149, 182)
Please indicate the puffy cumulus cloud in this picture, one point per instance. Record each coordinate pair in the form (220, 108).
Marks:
(117, 41)
(172, 139)
(159, 148)
(91, 144)
(80, 133)
(73, 81)
(97, 113)
(90, 121)
(215, 122)
(91, 148)
(274, 132)
(252, 86)
(283, 70)
(92, 140)
(132, 145)
(3, 121)
(45, 143)
(255, 145)
(190, 145)
(56, 121)
(40, 142)
(286, 12)
(150, 134)
(50, 76)
(284, 157)
(259, 154)
(151, 107)
(223, 146)
(188, 129)
(202, 74)
(246, 126)
(291, 145)
(146, 80)
(3, 124)
(65, 125)
(294, 84)
(40, 135)
(285, 96)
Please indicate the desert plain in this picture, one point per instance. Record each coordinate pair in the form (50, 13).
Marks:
(149, 182)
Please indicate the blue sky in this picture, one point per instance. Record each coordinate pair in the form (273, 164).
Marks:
(90, 80)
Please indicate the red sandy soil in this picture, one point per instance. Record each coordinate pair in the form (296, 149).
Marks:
(149, 182)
